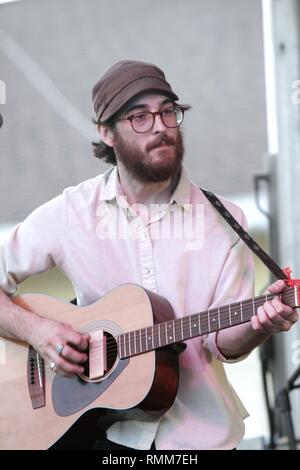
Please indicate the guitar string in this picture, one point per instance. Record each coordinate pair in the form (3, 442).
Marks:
(244, 311)
(112, 346)
(219, 312)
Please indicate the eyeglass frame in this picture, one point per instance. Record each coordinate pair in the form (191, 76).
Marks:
(182, 108)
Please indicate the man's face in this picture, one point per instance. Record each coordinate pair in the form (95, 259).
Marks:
(155, 155)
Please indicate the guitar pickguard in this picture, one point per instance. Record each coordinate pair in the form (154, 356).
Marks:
(72, 395)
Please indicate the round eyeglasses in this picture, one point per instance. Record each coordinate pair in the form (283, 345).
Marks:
(144, 121)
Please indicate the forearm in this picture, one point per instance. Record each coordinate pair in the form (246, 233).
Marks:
(15, 321)
(239, 340)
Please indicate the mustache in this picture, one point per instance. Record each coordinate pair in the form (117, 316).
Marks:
(164, 139)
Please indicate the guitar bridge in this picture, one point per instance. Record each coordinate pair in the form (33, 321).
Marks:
(36, 378)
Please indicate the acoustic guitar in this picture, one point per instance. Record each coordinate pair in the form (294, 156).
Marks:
(132, 371)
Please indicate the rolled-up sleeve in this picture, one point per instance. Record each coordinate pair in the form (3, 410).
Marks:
(235, 283)
(32, 246)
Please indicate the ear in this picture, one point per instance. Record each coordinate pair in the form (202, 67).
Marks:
(106, 134)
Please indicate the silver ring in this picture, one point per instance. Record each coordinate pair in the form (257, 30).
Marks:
(52, 365)
(59, 348)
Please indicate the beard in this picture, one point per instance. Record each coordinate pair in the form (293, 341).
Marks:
(145, 168)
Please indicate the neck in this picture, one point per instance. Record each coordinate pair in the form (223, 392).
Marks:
(138, 192)
(169, 332)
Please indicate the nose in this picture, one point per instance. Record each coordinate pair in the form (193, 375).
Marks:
(158, 125)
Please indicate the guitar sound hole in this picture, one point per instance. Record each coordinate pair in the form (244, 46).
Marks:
(111, 358)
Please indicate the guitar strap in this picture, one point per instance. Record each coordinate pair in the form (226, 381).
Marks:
(250, 242)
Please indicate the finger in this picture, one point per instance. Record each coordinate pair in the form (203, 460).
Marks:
(64, 367)
(255, 323)
(295, 317)
(277, 286)
(273, 315)
(72, 355)
(54, 368)
(285, 311)
(84, 342)
(76, 339)
(265, 321)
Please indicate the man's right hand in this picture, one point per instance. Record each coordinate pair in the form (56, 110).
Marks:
(48, 336)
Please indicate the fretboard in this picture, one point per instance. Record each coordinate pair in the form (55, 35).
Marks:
(187, 327)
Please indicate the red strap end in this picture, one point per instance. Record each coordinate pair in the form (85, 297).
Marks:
(289, 281)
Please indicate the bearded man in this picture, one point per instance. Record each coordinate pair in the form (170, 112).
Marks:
(144, 222)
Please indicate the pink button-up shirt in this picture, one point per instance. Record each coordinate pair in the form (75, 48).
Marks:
(186, 253)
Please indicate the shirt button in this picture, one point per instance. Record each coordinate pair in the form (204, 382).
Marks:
(147, 271)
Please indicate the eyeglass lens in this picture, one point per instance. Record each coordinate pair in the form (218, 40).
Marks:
(143, 122)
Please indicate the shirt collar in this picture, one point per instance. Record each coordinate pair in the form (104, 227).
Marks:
(182, 192)
(112, 188)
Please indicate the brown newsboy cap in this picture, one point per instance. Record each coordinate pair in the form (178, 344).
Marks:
(123, 81)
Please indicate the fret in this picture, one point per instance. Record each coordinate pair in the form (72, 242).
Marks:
(230, 321)
(124, 345)
(130, 349)
(195, 326)
(219, 320)
(153, 337)
(186, 327)
(213, 320)
(145, 339)
(159, 339)
(199, 323)
(204, 323)
(134, 344)
(141, 348)
(181, 326)
(143, 342)
(253, 307)
(174, 333)
(235, 314)
(225, 321)
(150, 338)
(127, 345)
(241, 307)
(170, 332)
(209, 321)
(166, 333)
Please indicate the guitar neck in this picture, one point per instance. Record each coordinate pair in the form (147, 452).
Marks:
(173, 331)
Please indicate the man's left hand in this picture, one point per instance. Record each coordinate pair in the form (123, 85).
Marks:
(274, 316)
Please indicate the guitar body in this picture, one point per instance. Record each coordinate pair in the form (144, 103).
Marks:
(143, 386)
